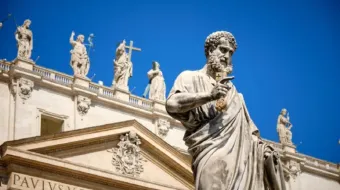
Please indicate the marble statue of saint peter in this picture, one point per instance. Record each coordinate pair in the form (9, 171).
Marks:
(227, 152)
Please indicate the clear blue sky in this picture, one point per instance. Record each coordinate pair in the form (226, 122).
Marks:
(288, 53)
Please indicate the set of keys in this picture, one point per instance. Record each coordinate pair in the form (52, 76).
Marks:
(221, 77)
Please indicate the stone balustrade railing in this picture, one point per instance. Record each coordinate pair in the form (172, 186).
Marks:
(132, 99)
(140, 102)
(94, 87)
(67, 80)
(49, 74)
(4, 66)
(107, 92)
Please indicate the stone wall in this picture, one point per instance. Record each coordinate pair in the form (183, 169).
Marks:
(79, 102)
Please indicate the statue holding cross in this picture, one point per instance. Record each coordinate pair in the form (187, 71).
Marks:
(123, 65)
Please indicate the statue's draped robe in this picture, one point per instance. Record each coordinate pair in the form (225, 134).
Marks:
(25, 42)
(122, 71)
(284, 133)
(157, 86)
(225, 155)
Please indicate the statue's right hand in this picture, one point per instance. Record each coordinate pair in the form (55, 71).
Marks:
(219, 90)
(72, 33)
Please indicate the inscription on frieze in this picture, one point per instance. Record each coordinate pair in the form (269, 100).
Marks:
(26, 182)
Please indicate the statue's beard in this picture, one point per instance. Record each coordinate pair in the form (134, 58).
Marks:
(216, 65)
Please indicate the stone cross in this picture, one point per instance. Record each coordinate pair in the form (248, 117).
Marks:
(130, 47)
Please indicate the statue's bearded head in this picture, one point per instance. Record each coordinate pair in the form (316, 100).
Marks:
(283, 111)
(219, 48)
(80, 38)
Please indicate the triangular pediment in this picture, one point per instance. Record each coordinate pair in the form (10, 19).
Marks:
(95, 152)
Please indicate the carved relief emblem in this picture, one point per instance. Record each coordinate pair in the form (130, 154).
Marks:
(25, 88)
(163, 127)
(83, 104)
(292, 169)
(127, 158)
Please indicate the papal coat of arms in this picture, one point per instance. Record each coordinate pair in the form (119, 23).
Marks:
(127, 158)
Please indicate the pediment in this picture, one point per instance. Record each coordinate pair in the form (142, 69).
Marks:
(100, 152)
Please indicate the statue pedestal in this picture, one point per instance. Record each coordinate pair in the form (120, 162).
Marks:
(122, 94)
(81, 81)
(122, 88)
(289, 148)
(24, 63)
(159, 105)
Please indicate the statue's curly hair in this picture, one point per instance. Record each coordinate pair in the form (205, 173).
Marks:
(212, 40)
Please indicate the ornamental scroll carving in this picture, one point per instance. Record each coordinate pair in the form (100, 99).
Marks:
(127, 158)
(83, 104)
(25, 88)
(163, 127)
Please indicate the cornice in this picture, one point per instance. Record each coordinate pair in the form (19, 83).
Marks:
(104, 133)
(80, 171)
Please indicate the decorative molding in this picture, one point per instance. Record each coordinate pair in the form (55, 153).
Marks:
(40, 112)
(81, 171)
(292, 169)
(51, 114)
(163, 127)
(127, 158)
(83, 104)
(25, 88)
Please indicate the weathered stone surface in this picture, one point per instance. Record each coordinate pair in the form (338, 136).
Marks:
(224, 143)
(25, 88)
(283, 127)
(123, 66)
(163, 127)
(80, 61)
(157, 83)
(127, 157)
(27, 182)
(24, 38)
(83, 104)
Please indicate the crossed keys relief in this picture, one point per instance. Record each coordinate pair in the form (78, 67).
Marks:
(127, 158)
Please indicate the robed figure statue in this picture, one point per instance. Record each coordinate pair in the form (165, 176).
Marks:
(157, 83)
(283, 127)
(24, 38)
(227, 151)
(122, 68)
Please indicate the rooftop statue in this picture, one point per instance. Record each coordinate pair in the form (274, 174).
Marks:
(157, 84)
(283, 127)
(24, 38)
(122, 67)
(80, 61)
